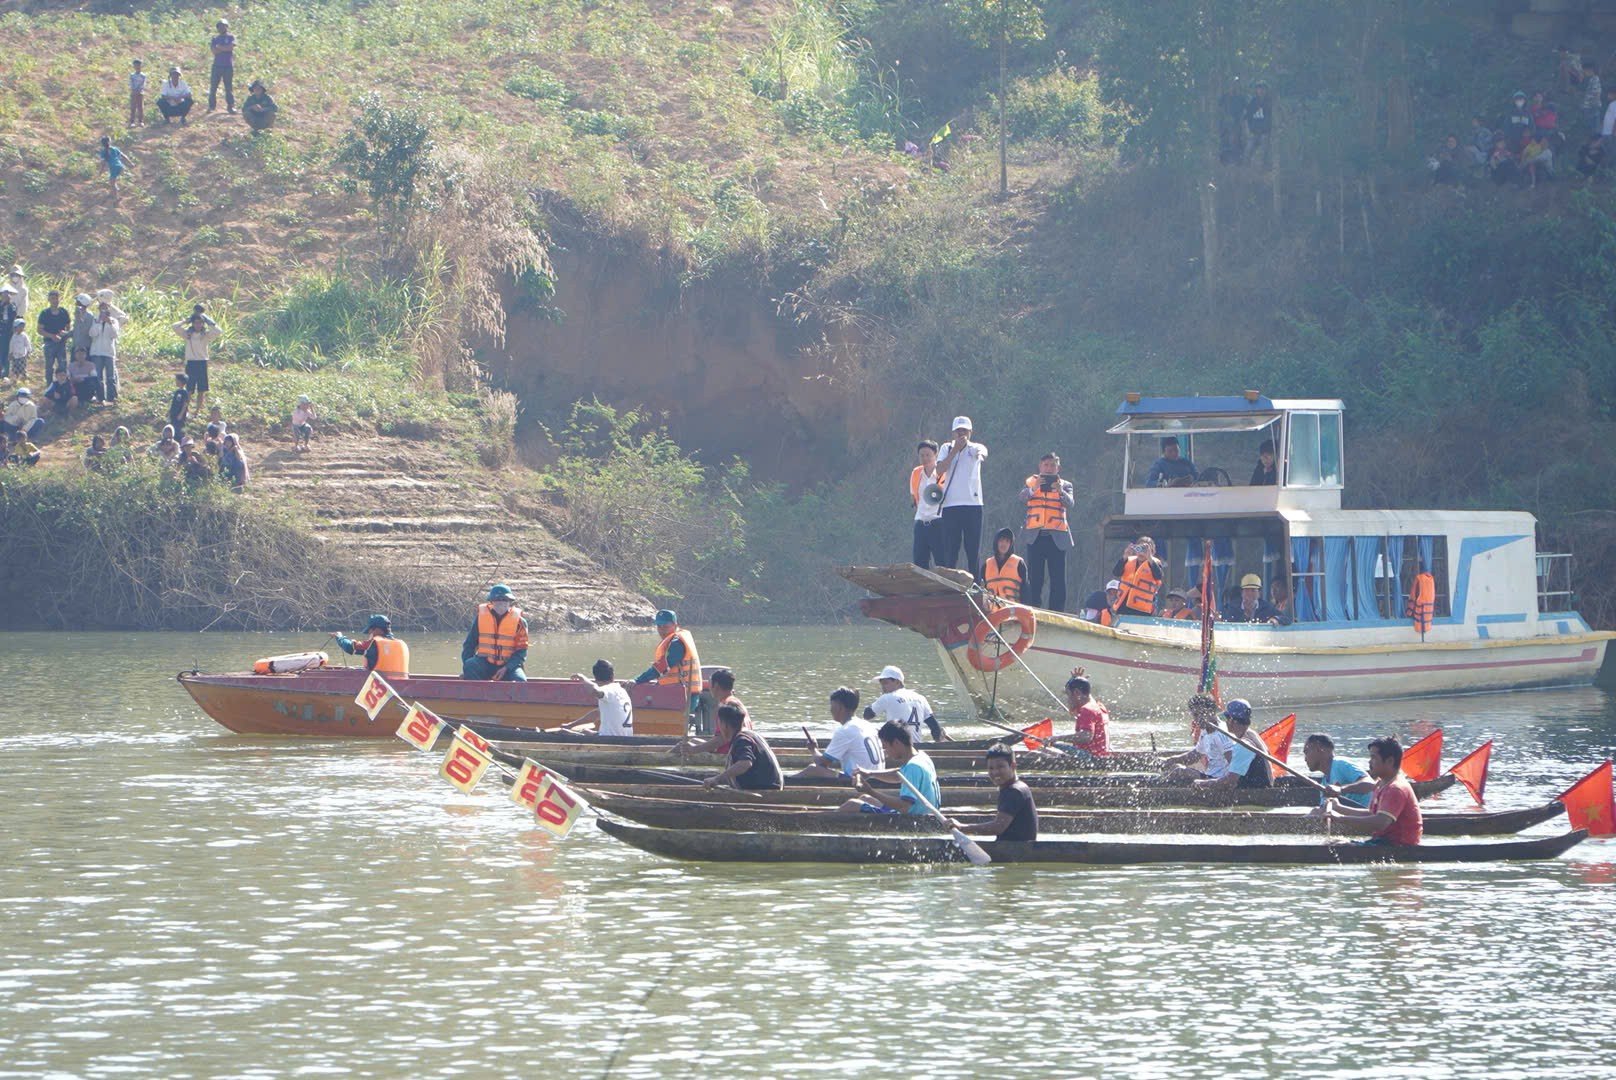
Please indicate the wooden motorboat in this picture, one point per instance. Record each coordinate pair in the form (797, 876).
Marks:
(320, 702)
(746, 817)
(776, 847)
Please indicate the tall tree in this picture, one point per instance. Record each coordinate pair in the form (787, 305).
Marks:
(998, 24)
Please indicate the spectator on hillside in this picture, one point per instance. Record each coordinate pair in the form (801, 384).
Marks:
(1567, 70)
(303, 417)
(167, 448)
(1537, 161)
(1501, 164)
(21, 452)
(174, 97)
(233, 463)
(1607, 126)
(199, 331)
(121, 446)
(217, 417)
(105, 329)
(1518, 121)
(213, 439)
(259, 109)
(1593, 97)
(59, 394)
(55, 326)
(197, 469)
(20, 283)
(116, 162)
(1447, 165)
(1260, 122)
(21, 414)
(179, 404)
(1546, 120)
(137, 96)
(1481, 142)
(223, 47)
(8, 321)
(95, 458)
(1591, 156)
(83, 312)
(82, 375)
(20, 349)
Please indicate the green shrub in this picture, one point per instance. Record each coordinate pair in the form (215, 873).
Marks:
(1063, 107)
(537, 84)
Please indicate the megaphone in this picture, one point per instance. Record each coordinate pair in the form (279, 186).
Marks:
(932, 493)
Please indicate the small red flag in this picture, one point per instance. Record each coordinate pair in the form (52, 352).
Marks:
(1423, 760)
(1278, 737)
(1037, 733)
(1472, 771)
(1591, 803)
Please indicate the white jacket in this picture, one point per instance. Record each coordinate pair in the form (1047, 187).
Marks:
(20, 412)
(104, 336)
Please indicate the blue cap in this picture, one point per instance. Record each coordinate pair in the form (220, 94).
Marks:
(501, 592)
(1238, 709)
(664, 617)
(379, 622)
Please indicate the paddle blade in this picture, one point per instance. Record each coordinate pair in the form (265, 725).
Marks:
(971, 849)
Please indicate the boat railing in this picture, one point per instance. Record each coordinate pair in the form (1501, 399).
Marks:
(1554, 591)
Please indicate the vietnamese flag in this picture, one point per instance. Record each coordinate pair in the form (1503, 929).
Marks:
(1278, 738)
(1472, 771)
(1423, 760)
(1037, 733)
(1591, 804)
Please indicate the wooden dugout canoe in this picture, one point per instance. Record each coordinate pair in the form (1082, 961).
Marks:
(588, 768)
(796, 756)
(710, 845)
(588, 742)
(954, 798)
(742, 817)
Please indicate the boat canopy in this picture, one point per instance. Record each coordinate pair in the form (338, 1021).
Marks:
(1189, 415)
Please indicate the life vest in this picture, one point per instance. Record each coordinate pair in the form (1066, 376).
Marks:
(1422, 601)
(393, 656)
(914, 483)
(1003, 581)
(1105, 617)
(688, 670)
(498, 638)
(1139, 585)
(1045, 510)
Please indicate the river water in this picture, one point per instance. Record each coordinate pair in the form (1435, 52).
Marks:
(176, 901)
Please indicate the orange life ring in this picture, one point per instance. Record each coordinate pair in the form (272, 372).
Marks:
(1022, 617)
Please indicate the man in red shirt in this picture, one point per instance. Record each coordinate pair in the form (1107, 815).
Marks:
(1394, 810)
(1089, 714)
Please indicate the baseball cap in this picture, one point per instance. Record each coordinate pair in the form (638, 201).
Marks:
(1250, 581)
(891, 671)
(1113, 584)
(665, 617)
(1238, 709)
(962, 422)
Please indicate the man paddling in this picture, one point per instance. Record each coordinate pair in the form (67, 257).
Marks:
(856, 744)
(900, 705)
(1341, 778)
(1088, 713)
(1209, 758)
(1393, 816)
(898, 747)
(384, 654)
(1246, 768)
(1016, 816)
(752, 764)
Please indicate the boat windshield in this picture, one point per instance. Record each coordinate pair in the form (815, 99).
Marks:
(1220, 456)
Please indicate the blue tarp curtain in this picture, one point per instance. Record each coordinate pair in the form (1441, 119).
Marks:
(1427, 551)
(1222, 563)
(1365, 551)
(1338, 578)
(1301, 563)
(1394, 559)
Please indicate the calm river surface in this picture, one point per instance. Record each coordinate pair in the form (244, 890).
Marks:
(176, 901)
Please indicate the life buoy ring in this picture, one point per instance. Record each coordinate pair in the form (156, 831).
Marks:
(978, 653)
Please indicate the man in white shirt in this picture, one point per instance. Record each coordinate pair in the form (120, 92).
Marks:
(962, 461)
(854, 746)
(614, 708)
(928, 540)
(1210, 757)
(20, 413)
(104, 334)
(903, 706)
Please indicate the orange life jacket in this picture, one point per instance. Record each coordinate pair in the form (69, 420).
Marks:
(1105, 616)
(688, 670)
(1003, 581)
(914, 483)
(498, 638)
(1139, 585)
(1422, 601)
(392, 657)
(1046, 510)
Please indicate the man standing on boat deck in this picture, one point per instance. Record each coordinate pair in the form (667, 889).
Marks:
(1171, 469)
(900, 705)
(1016, 817)
(1209, 758)
(1394, 815)
(1141, 575)
(899, 750)
(752, 764)
(496, 646)
(1046, 535)
(961, 460)
(1253, 608)
(927, 544)
(677, 664)
(1342, 779)
(384, 654)
(1089, 714)
(1247, 768)
(856, 744)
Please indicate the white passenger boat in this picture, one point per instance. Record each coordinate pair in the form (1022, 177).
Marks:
(1502, 615)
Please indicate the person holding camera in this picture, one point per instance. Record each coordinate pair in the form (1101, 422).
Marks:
(962, 461)
(1047, 535)
(1141, 575)
(198, 331)
(925, 493)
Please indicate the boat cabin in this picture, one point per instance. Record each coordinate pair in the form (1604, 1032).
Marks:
(1261, 479)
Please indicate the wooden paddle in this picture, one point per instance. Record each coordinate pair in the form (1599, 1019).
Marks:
(969, 848)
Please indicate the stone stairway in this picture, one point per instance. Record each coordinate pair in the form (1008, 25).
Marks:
(413, 506)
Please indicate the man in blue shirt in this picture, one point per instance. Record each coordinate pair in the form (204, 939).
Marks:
(1247, 768)
(1171, 470)
(1342, 779)
(898, 747)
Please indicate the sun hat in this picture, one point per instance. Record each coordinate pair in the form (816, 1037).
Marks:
(1251, 581)
(891, 671)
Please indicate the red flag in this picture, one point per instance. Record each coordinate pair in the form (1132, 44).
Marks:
(1591, 804)
(1472, 771)
(1423, 760)
(1037, 733)
(1278, 737)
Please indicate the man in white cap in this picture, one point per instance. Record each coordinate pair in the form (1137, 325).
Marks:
(961, 461)
(20, 283)
(20, 414)
(106, 326)
(1101, 605)
(903, 706)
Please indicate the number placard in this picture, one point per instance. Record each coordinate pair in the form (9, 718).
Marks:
(472, 739)
(525, 790)
(420, 728)
(463, 766)
(557, 808)
(374, 694)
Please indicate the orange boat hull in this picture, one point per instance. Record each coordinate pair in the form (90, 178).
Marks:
(320, 703)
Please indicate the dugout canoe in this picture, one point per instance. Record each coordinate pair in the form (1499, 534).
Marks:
(706, 845)
(589, 742)
(955, 798)
(742, 817)
(796, 756)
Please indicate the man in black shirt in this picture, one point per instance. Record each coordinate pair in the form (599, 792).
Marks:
(752, 764)
(55, 327)
(1016, 818)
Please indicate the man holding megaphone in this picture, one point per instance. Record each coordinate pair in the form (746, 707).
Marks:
(926, 493)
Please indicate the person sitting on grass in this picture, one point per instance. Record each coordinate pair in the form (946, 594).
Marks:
(59, 394)
(233, 463)
(614, 709)
(122, 446)
(21, 453)
(95, 458)
(82, 375)
(898, 748)
(167, 448)
(179, 403)
(174, 97)
(1502, 165)
(259, 109)
(856, 744)
(752, 764)
(1537, 160)
(1394, 815)
(1015, 818)
(197, 469)
(303, 417)
(20, 414)
(212, 440)
(1590, 156)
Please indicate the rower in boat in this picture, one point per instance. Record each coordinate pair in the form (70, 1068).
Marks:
(1016, 816)
(723, 691)
(1341, 778)
(898, 748)
(752, 764)
(384, 654)
(856, 744)
(1246, 768)
(1209, 758)
(900, 705)
(614, 711)
(1393, 815)
(1089, 714)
